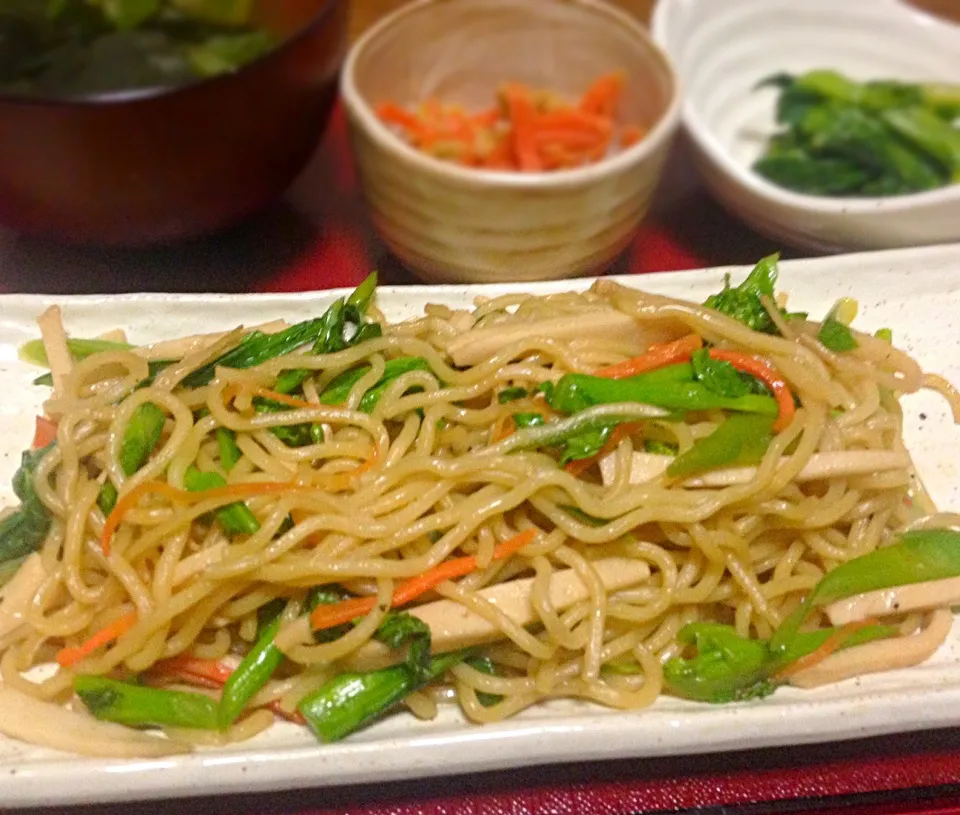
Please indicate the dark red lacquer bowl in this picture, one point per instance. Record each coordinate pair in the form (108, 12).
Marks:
(170, 164)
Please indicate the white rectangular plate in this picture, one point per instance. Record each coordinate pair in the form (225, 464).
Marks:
(915, 292)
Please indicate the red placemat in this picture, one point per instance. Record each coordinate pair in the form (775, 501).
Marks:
(319, 237)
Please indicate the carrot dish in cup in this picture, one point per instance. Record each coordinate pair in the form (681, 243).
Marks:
(527, 131)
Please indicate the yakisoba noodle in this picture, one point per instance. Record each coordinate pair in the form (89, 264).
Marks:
(439, 463)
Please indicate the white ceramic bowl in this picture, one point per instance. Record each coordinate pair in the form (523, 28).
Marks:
(722, 48)
(456, 224)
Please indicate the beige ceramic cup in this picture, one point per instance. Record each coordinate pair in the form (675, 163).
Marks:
(456, 224)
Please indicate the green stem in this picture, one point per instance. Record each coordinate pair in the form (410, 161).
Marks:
(254, 671)
(349, 701)
(140, 706)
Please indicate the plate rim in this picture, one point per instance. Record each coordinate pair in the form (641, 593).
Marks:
(410, 749)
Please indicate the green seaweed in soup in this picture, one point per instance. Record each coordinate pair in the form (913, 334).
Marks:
(79, 48)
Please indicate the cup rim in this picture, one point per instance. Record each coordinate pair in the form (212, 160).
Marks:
(361, 112)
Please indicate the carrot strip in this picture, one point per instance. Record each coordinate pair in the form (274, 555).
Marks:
(212, 674)
(573, 120)
(766, 373)
(188, 668)
(431, 110)
(68, 657)
(523, 118)
(503, 427)
(603, 96)
(831, 644)
(486, 118)
(392, 113)
(290, 401)
(658, 356)
(45, 432)
(329, 616)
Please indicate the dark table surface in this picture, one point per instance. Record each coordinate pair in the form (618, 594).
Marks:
(319, 237)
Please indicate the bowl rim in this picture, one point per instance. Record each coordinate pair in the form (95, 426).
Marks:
(362, 113)
(116, 98)
(746, 178)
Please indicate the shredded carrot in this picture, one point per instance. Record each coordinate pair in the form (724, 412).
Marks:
(831, 644)
(329, 616)
(523, 116)
(284, 399)
(574, 120)
(486, 118)
(658, 356)
(68, 657)
(208, 673)
(530, 130)
(44, 433)
(232, 492)
(393, 113)
(503, 427)
(766, 373)
(190, 668)
(603, 96)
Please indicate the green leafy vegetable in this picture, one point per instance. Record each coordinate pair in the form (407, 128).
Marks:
(225, 53)
(661, 448)
(486, 666)
(140, 439)
(257, 348)
(253, 672)
(35, 353)
(107, 499)
(343, 325)
(741, 439)
(24, 530)
(843, 138)
(528, 419)
(916, 557)
(82, 48)
(127, 14)
(583, 517)
(351, 700)
(587, 443)
(743, 302)
(729, 668)
(400, 629)
(726, 667)
(142, 706)
(227, 445)
(337, 392)
(235, 518)
(141, 436)
(672, 387)
(835, 335)
(297, 435)
(512, 394)
(718, 376)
